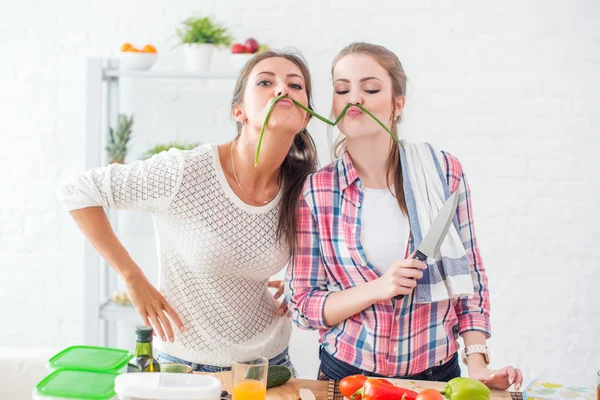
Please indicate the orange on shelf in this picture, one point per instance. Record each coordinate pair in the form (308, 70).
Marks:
(149, 49)
(127, 47)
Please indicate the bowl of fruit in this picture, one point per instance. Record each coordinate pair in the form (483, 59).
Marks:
(242, 52)
(140, 59)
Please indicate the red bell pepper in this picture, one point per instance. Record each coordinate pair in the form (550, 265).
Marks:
(381, 389)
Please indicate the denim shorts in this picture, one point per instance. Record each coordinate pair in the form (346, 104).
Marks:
(332, 368)
(281, 359)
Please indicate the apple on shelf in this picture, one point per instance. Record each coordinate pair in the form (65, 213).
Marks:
(242, 52)
(238, 49)
(251, 45)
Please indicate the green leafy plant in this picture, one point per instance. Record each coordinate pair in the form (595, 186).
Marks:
(118, 139)
(311, 112)
(204, 30)
(159, 148)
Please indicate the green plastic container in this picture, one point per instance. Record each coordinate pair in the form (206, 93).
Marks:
(77, 384)
(91, 358)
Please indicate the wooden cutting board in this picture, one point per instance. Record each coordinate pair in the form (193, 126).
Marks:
(418, 386)
(323, 390)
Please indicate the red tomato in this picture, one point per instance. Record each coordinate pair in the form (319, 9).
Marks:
(350, 384)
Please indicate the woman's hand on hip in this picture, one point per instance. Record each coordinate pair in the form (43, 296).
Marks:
(153, 307)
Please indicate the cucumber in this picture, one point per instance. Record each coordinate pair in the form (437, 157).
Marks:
(254, 373)
(278, 375)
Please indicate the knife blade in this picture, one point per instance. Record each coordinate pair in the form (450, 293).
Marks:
(431, 243)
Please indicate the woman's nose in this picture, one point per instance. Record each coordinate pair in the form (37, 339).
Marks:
(282, 90)
(355, 97)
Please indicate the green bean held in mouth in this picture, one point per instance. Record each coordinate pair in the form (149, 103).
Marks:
(314, 114)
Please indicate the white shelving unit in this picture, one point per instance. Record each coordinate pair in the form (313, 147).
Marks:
(103, 77)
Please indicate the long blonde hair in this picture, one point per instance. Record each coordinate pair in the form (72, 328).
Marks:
(390, 62)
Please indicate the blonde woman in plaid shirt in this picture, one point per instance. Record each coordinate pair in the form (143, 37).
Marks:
(353, 240)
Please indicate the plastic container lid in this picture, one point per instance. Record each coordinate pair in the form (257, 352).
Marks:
(75, 384)
(166, 386)
(90, 358)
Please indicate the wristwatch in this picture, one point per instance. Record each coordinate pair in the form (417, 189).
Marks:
(476, 348)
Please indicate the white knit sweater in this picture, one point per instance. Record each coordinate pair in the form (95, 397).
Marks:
(216, 252)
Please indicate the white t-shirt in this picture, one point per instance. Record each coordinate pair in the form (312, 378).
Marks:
(384, 228)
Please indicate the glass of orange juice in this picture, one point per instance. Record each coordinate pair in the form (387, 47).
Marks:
(249, 378)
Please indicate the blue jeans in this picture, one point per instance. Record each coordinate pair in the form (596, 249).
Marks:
(332, 368)
(281, 359)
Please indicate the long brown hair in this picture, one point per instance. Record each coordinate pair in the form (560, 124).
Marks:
(301, 159)
(390, 62)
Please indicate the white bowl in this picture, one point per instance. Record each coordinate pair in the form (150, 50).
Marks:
(139, 61)
(240, 59)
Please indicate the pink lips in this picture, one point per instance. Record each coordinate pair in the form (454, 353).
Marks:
(354, 111)
(285, 102)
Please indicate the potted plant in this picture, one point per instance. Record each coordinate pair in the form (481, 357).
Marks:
(199, 37)
(118, 139)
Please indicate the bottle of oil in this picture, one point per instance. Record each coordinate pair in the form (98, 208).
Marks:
(143, 360)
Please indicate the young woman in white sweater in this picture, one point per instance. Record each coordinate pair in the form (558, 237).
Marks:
(224, 227)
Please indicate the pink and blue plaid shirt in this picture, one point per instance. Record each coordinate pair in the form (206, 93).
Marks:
(391, 338)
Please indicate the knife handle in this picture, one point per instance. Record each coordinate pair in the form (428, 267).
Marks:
(418, 256)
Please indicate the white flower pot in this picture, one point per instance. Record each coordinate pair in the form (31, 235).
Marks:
(198, 56)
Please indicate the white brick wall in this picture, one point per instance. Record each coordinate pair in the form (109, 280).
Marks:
(508, 87)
